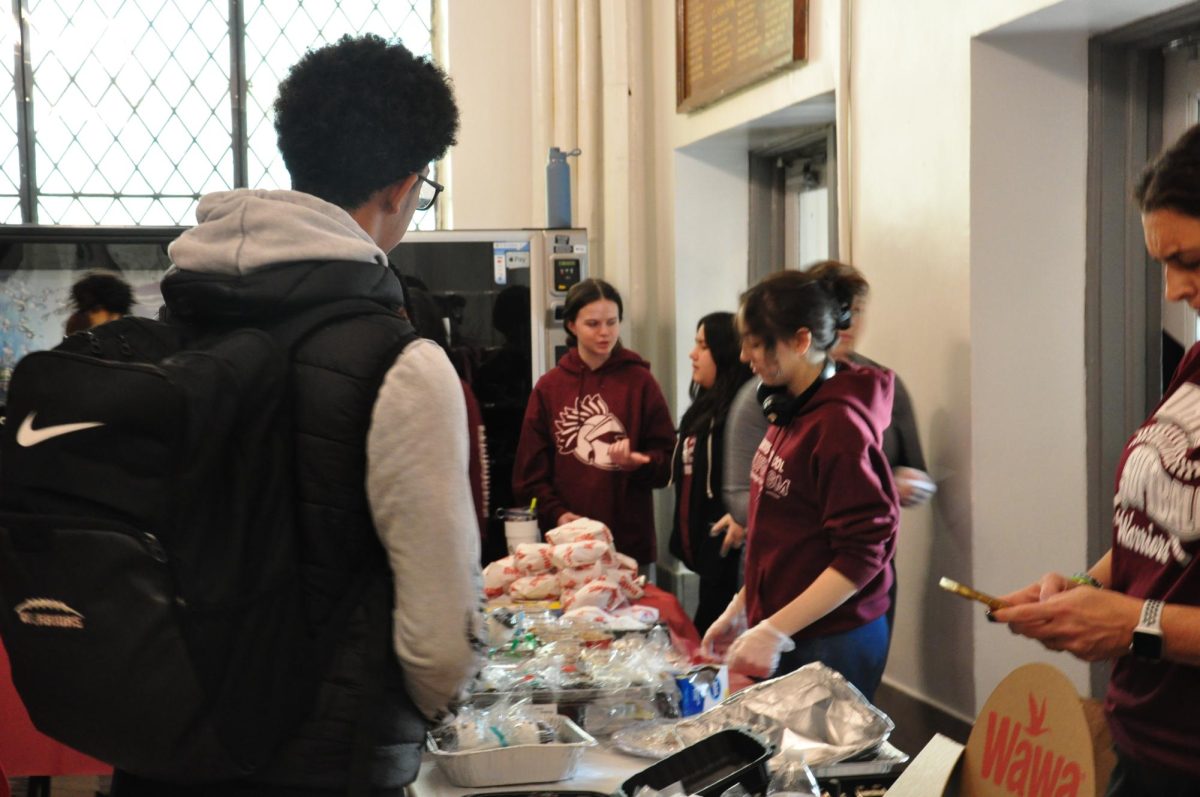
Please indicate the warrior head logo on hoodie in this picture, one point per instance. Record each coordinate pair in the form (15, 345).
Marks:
(588, 429)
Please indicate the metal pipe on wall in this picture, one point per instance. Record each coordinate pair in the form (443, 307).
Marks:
(614, 39)
(641, 282)
(441, 54)
(589, 166)
(844, 132)
(542, 124)
(565, 95)
(566, 123)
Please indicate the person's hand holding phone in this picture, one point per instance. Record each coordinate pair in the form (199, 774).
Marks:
(962, 590)
(1091, 623)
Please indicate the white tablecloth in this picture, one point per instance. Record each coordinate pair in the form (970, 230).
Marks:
(601, 769)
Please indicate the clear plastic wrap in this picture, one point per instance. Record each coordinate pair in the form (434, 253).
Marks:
(793, 778)
(504, 724)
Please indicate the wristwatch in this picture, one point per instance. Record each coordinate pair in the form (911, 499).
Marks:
(1147, 636)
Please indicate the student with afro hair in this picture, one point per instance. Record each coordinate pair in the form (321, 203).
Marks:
(383, 512)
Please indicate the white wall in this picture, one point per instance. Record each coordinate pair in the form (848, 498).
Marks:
(711, 239)
(964, 146)
(489, 59)
(908, 126)
(1028, 175)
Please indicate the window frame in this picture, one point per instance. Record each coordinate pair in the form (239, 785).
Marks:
(28, 189)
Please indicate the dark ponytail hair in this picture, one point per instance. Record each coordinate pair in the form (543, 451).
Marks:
(721, 337)
(584, 293)
(1172, 181)
(846, 282)
(787, 301)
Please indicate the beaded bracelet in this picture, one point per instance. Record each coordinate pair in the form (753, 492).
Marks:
(1086, 580)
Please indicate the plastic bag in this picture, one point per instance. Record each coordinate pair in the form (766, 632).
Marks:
(793, 778)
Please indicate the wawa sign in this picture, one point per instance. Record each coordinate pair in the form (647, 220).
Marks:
(1031, 740)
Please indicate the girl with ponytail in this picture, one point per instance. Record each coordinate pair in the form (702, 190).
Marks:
(823, 508)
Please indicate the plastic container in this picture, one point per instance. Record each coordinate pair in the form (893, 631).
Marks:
(710, 766)
(520, 526)
(521, 763)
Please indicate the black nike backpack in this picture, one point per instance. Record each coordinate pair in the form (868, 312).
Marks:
(150, 598)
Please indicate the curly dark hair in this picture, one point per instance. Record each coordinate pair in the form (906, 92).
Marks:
(102, 290)
(98, 290)
(360, 114)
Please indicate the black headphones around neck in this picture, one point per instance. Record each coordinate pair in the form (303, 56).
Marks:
(779, 407)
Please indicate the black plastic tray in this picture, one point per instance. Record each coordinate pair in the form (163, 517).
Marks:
(710, 766)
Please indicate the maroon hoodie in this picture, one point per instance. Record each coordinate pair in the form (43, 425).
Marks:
(822, 495)
(573, 417)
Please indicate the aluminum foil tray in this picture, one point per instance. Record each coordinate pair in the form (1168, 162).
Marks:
(813, 709)
(521, 763)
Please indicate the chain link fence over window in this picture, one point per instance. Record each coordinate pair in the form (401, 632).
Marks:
(131, 116)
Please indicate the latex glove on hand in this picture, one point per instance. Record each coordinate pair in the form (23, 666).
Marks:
(725, 629)
(914, 486)
(756, 652)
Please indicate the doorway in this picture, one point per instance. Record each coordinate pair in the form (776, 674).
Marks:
(793, 202)
(1144, 90)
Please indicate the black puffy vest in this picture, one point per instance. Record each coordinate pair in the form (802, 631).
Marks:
(336, 376)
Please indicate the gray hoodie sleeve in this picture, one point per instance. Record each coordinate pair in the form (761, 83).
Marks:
(744, 430)
(421, 502)
(901, 444)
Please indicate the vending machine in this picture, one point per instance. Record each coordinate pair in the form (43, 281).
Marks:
(500, 296)
(481, 277)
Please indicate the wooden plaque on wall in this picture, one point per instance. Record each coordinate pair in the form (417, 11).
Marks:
(724, 45)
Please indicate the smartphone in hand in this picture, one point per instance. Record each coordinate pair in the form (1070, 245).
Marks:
(963, 590)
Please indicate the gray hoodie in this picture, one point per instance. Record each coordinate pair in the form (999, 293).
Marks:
(423, 514)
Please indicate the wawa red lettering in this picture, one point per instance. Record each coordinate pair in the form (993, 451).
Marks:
(1023, 768)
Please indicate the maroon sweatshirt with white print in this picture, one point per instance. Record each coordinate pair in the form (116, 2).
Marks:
(573, 417)
(822, 495)
(1152, 705)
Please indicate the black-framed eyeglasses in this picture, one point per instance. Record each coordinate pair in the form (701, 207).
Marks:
(428, 192)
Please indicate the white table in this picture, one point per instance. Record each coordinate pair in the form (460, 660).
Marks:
(601, 769)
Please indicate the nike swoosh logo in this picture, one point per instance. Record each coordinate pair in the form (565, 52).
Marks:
(28, 436)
